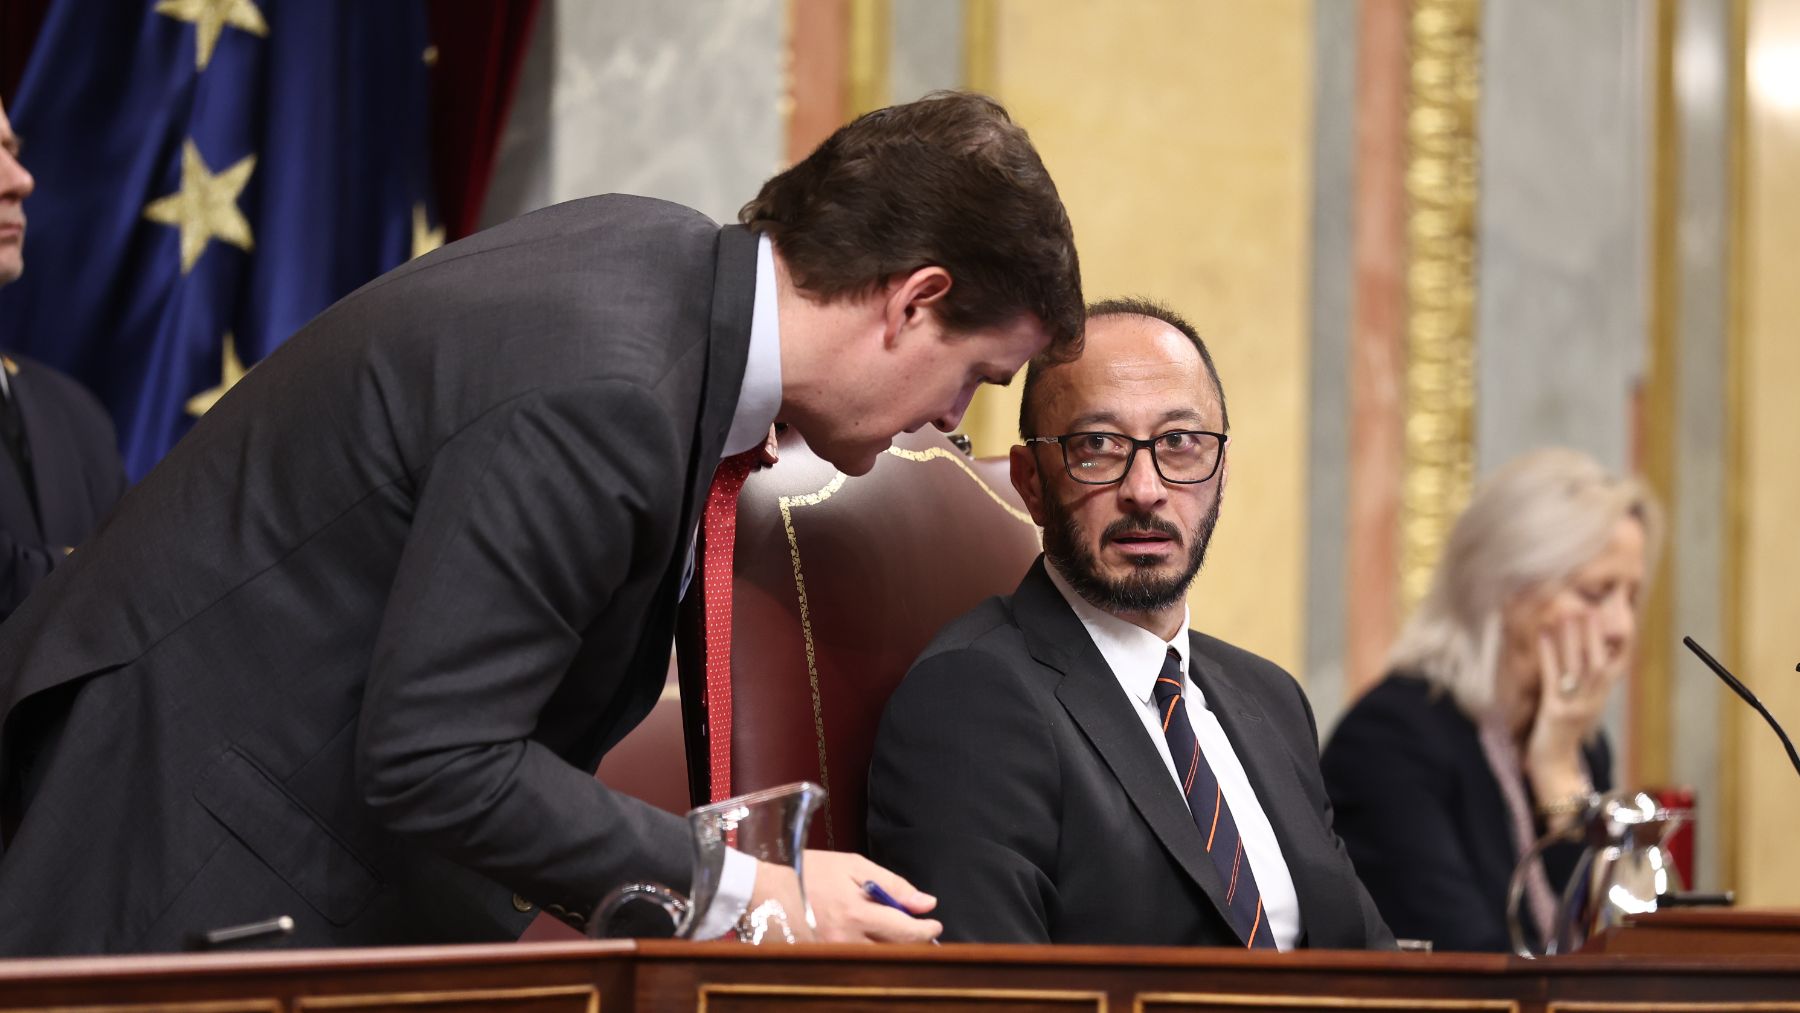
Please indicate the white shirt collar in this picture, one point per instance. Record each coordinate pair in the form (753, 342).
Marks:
(760, 397)
(1133, 653)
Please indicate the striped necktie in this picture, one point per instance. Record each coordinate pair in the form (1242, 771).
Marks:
(1243, 901)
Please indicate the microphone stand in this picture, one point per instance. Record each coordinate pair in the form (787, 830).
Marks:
(1750, 698)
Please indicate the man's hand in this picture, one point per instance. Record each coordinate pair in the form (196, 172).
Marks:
(843, 913)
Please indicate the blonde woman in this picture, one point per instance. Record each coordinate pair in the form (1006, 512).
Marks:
(1486, 731)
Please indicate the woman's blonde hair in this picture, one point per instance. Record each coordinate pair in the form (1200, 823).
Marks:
(1532, 523)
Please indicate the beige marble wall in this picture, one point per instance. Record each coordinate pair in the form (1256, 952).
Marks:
(682, 101)
(1766, 470)
(1180, 135)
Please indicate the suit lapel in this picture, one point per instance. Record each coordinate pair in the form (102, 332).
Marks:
(1271, 771)
(1091, 695)
(728, 350)
(54, 462)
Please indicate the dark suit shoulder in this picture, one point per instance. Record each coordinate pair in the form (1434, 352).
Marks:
(1401, 719)
(1240, 661)
(989, 621)
(72, 400)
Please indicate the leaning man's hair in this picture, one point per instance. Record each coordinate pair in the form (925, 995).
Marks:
(949, 180)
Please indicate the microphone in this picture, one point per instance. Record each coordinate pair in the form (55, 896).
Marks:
(1750, 698)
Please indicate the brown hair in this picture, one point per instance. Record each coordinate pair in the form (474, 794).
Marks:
(949, 181)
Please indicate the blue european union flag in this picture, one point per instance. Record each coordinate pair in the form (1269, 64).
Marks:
(210, 175)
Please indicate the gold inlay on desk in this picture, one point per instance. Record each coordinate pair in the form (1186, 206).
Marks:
(736, 998)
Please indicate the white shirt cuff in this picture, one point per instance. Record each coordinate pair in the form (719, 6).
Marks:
(736, 882)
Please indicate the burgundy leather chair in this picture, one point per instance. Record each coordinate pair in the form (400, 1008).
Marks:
(838, 584)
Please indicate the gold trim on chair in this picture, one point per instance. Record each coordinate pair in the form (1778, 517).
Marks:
(787, 505)
(940, 454)
(1441, 174)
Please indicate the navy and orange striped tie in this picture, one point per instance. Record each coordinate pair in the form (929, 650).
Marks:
(1243, 901)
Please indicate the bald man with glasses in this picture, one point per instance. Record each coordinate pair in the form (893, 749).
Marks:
(1073, 764)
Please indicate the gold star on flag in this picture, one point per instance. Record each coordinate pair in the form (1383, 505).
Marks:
(205, 208)
(229, 374)
(209, 18)
(425, 238)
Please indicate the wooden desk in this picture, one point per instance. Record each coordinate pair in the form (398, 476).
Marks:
(727, 978)
(1706, 932)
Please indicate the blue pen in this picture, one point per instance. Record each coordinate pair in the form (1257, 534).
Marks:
(874, 892)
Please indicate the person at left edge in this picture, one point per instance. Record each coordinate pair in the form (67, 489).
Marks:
(63, 471)
(352, 651)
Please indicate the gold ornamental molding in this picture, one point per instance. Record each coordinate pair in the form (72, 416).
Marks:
(1441, 188)
(871, 42)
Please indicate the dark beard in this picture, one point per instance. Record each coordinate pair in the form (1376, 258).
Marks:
(1065, 546)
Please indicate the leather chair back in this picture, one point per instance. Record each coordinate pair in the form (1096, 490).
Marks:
(838, 584)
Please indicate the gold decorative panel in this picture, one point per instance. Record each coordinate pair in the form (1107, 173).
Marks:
(1219, 1002)
(551, 999)
(838, 999)
(211, 1006)
(1441, 188)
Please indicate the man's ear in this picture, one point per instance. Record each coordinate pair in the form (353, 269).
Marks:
(1224, 471)
(1028, 481)
(914, 297)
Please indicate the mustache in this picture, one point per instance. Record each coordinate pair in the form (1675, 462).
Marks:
(1141, 523)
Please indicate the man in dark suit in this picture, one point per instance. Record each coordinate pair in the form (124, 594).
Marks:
(63, 471)
(1071, 764)
(351, 653)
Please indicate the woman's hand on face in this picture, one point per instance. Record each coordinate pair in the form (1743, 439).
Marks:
(1577, 677)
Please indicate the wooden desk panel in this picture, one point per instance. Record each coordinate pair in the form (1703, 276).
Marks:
(1705, 932)
(728, 978)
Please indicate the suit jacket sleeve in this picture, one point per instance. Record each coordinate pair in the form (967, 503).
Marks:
(963, 797)
(1376, 934)
(526, 524)
(1387, 776)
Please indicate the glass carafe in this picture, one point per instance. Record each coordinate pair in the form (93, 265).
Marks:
(1625, 870)
(768, 826)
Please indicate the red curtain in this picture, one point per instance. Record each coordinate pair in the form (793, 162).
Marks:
(19, 23)
(480, 50)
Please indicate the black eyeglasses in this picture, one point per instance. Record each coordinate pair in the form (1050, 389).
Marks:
(1181, 457)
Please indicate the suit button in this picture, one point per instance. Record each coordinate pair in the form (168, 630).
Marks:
(520, 904)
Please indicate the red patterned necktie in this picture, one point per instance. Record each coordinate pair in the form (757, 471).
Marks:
(1224, 847)
(718, 533)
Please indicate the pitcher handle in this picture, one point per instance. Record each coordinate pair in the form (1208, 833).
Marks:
(673, 904)
(1515, 892)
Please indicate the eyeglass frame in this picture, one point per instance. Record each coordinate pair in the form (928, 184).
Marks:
(1131, 458)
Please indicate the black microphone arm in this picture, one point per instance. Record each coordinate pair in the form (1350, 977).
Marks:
(1750, 698)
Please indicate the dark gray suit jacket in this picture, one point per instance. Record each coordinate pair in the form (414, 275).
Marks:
(75, 469)
(1013, 780)
(352, 651)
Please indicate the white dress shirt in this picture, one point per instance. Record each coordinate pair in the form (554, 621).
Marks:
(1136, 657)
(757, 404)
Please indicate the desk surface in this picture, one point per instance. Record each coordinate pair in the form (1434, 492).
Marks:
(729, 978)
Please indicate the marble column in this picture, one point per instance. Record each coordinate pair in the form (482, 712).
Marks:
(680, 101)
(1563, 233)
